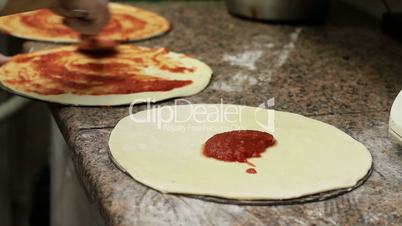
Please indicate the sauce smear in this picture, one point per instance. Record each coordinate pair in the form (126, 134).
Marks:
(50, 24)
(120, 71)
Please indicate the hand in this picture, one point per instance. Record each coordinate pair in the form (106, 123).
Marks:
(3, 59)
(87, 17)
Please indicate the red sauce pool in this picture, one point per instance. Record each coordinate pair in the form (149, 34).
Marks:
(238, 146)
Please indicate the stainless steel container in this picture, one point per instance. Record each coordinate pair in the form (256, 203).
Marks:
(278, 10)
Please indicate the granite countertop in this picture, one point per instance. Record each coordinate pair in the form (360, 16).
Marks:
(344, 72)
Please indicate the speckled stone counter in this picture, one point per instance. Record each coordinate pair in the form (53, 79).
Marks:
(344, 72)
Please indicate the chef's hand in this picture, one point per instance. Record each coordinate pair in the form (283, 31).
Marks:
(87, 17)
(3, 59)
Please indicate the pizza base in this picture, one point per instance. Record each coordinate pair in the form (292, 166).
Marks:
(311, 158)
(18, 30)
(299, 200)
(200, 79)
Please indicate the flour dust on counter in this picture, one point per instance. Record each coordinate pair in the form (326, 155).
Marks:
(238, 153)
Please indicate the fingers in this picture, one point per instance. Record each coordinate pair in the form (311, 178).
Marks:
(85, 17)
(3, 59)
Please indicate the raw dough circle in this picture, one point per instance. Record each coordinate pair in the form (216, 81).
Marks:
(310, 156)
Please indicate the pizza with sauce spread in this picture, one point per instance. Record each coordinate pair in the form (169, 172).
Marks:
(127, 23)
(128, 74)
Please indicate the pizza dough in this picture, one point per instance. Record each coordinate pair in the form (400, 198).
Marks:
(128, 23)
(131, 74)
(164, 153)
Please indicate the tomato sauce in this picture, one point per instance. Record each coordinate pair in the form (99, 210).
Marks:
(238, 146)
(45, 21)
(251, 171)
(115, 25)
(40, 20)
(178, 69)
(72, 72)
